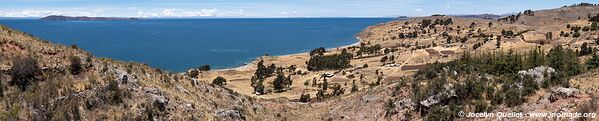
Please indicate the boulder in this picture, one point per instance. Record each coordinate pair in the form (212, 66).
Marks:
(561, 92)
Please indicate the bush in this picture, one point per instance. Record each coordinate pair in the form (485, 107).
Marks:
(390, 108)
(23, 72)
(76, 66)
(115, 95)
(220, 81)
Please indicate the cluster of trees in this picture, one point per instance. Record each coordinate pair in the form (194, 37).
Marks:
(322, 93)
(318, 51)
(194, 73)
(477, 78)
(508, 33)
(365, 49)
(529, 12)
(204, 67)
(262, 72)
(582, 4)
(431, 24)
(510, 18)
(335, 61)
(413, 34)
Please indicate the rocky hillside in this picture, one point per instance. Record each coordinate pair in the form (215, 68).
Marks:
(426, 68)
(44, 81)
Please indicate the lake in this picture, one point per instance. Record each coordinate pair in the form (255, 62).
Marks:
(180, 44)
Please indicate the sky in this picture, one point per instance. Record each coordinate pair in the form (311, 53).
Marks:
(269, 8)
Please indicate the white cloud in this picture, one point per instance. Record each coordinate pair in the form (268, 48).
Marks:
(112, 11)
(47, 12)
(189, 13)
(447, 6)
(418, 9)
(287, 13)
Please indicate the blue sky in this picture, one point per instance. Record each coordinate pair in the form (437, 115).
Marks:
(269, 8)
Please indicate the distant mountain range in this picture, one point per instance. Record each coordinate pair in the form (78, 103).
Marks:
(83, 18)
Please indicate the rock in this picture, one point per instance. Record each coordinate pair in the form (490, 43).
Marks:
(229, 114)
(370, 98)
(538, 73)
(151, 90)
(449, 93)
(181, 89)
(160, 101)
(566, 92)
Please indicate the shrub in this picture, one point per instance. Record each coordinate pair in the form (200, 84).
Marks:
(23, 72)
(588, 107)
(115, 95)
(220, 81)
(390, 108)
(76, 66)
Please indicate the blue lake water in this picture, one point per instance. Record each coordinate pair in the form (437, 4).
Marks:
(179, 44)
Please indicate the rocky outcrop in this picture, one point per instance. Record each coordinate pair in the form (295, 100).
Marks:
(561, 92)
(538, 73)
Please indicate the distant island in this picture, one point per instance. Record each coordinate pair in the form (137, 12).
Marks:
(83, 18)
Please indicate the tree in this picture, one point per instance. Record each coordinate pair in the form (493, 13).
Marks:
(337, 90)
(585, 49)
(498, 44)
(23, 71)
(259, 88)
(194, 73)
(220, 81)
(594, 26)
(549, 36)
(76, 66)
(384, 59)
(354, 88)
(279, 82)
(490, 24)
(204, 67)
(305, 97)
